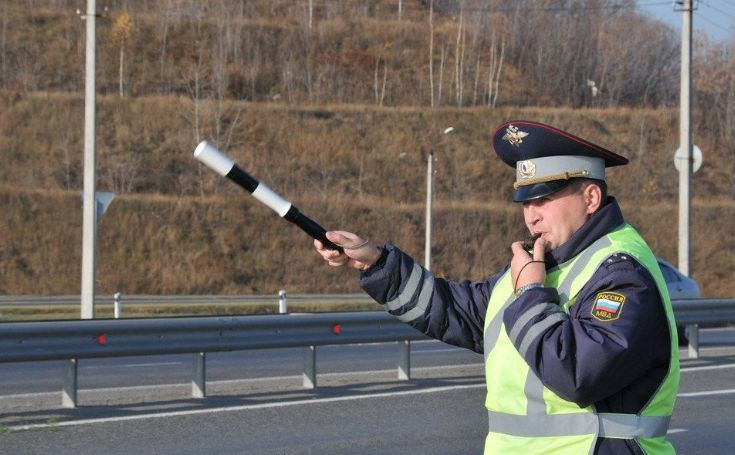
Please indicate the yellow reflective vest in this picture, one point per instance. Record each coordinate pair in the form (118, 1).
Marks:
(527, 417)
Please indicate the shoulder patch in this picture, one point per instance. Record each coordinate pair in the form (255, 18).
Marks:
(607, 306)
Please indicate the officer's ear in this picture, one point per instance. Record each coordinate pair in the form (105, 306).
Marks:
(592, 194)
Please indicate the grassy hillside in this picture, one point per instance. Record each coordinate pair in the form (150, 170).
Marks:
(178, 228)
(364, 153)
(336, 105)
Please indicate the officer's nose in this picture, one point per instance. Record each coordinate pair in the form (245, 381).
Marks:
(530, 213)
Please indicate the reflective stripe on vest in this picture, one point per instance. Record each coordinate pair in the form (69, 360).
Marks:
(623, 426)
(546, 414)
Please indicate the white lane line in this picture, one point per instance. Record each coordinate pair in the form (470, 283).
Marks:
(706, 393)
(715, 350)
(676, 430)
(708, 367)
(130, 365)
(246, 407)
(431, 351)
(151, 364)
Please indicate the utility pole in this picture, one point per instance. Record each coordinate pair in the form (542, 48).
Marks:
(429, 198)
(685, 133)
(90, 206)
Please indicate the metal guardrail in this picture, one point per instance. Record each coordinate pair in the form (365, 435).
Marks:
(83, 339)
(704, 311)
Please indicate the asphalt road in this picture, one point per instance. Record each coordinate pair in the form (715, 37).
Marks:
(256, 404)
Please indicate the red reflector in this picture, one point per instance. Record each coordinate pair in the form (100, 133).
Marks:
(102, 339)
(336, 329)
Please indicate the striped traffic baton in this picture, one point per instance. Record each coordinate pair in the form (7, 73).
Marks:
(225, 166)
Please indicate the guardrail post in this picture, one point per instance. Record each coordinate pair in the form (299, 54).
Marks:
(199, 375)
(310, 367)
(404, 364)
(282, 301)
(692, 332)
(69, 386)
(117, 307)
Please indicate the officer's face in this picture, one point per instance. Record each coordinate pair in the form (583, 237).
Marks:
(559, 215)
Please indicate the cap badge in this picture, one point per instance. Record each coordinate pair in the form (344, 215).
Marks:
(527, 169)
(514, 135)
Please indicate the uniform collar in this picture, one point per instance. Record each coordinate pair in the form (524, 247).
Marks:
(601, 223)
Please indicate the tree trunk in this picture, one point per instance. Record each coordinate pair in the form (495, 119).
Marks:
(500, 66)
(431, 51)
(122, 60)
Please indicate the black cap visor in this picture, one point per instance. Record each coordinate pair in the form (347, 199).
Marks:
(530, 192)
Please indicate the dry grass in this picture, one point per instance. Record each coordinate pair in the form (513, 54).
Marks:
(37, 313)
(176, 228)
(234, 246)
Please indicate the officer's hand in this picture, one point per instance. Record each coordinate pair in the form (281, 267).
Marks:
(522, 270)
(358, 254)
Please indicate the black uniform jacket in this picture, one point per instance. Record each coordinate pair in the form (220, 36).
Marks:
(617, 365)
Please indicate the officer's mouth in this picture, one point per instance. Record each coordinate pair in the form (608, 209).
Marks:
(545, 236)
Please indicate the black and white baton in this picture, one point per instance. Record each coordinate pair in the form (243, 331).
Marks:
(223, 165)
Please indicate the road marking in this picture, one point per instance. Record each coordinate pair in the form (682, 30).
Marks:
(708, 367)
(706, 393)
(431, 351)
(151, 364)
(130, 365)
(245, 407)
(676, 430)
(714, 350)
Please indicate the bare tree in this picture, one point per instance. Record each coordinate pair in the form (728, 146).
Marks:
(288, 78)
(3, 47)
(477, 79)
(441, 73)
(164, 30)
(122, 30)
(497, 75)
(459, 59)
(431, 50)
(311, 13)
(380, 93)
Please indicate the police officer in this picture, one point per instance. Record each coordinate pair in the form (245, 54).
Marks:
(578, 334)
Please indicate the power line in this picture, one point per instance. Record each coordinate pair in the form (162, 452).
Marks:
(722, 12)
(699, 16)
